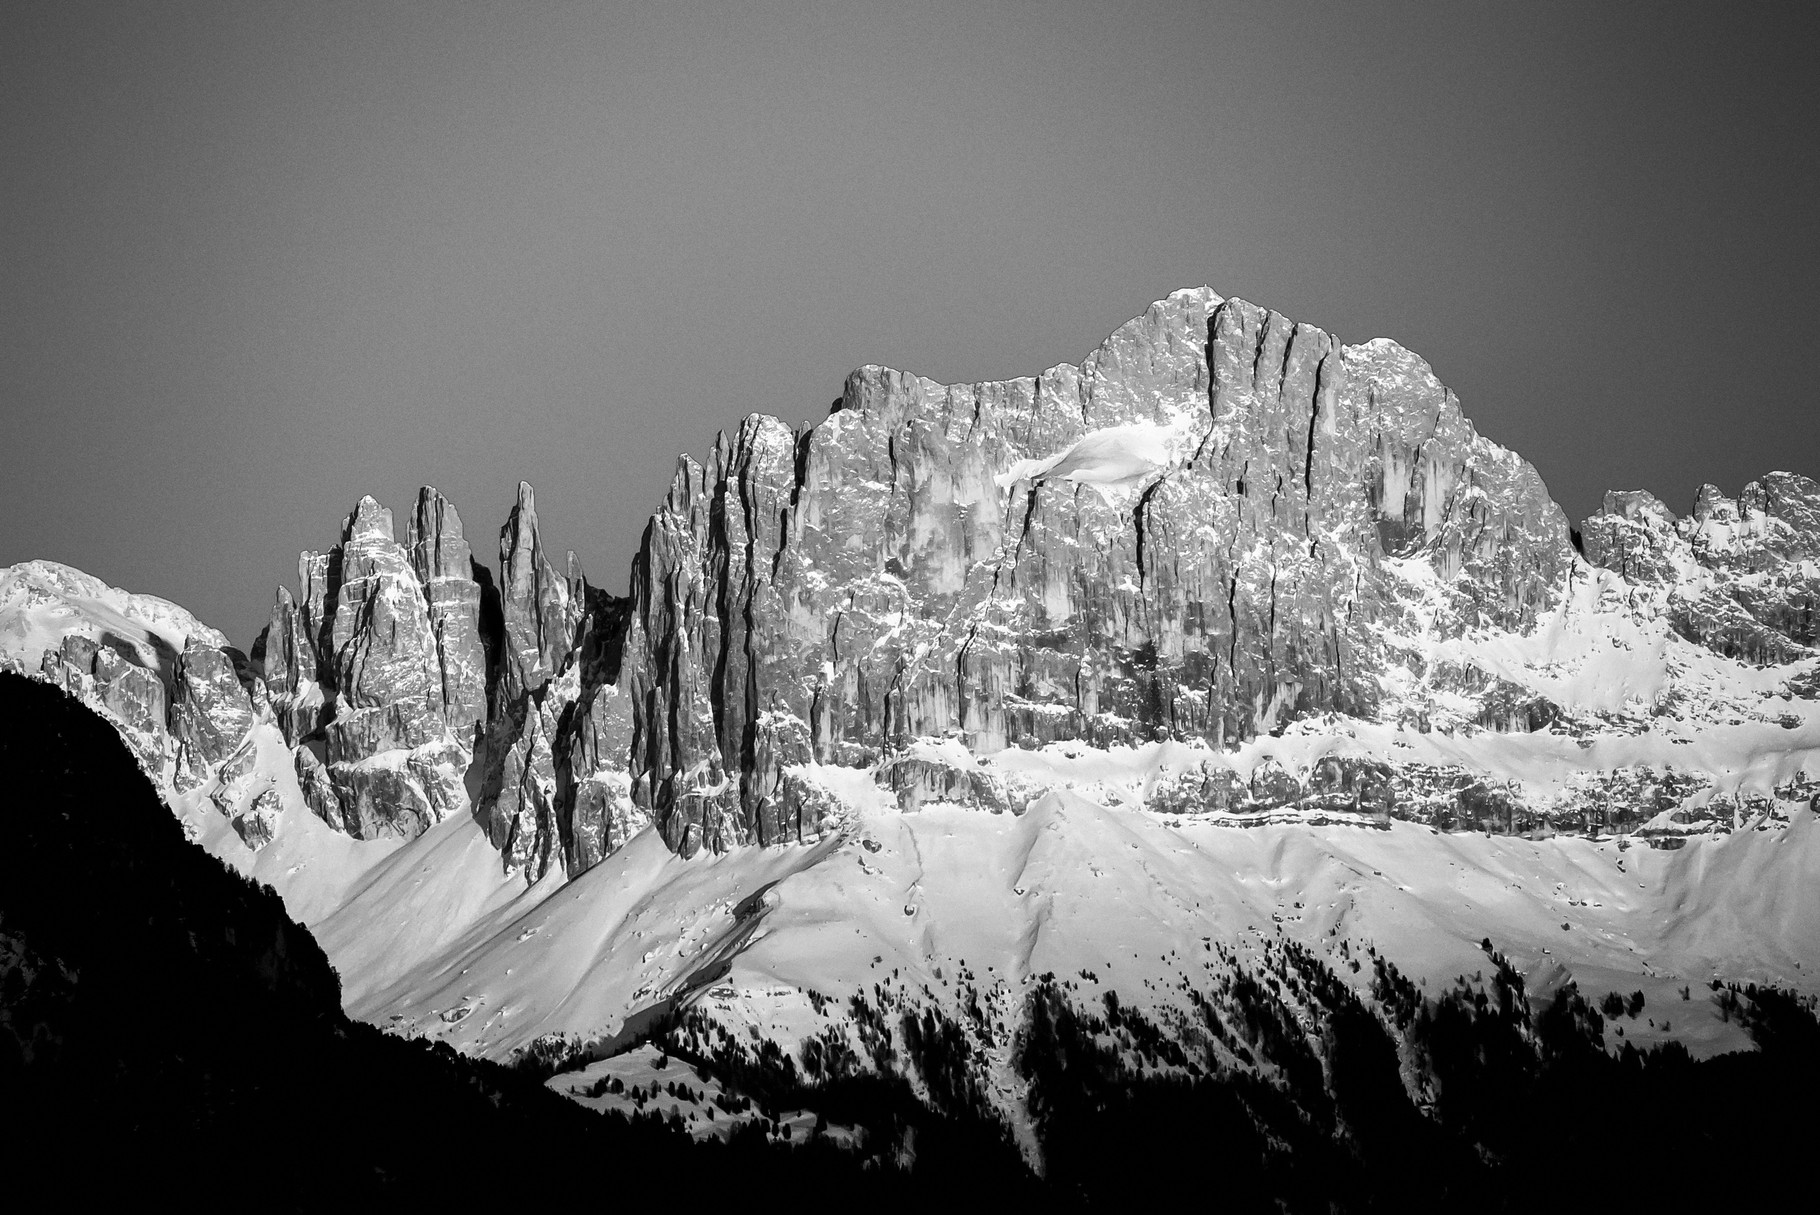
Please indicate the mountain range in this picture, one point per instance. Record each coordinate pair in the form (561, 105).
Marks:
(1065, 705)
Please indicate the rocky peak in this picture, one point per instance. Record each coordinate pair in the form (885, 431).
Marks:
(1774, 523)
(1638, 505)
(434, 537)
(1712, 504)
(1636, 535)
(540, 614)
(513, 781)
(368, 523)
(1741, 577)
(549, 780)
(377, 672)
(1198, 532)
(380, 640)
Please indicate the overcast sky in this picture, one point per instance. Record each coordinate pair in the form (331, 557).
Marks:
(260, 259)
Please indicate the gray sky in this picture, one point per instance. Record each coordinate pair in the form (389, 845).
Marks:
(259, 259)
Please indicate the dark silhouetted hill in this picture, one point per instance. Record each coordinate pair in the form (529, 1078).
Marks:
(167, 1033)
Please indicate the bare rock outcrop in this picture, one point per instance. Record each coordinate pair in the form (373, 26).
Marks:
(211, 713)
(131, 695)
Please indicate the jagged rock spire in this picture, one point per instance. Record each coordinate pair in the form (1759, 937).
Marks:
(549, 780)
(536, 602)
(378, 665)
(444, 564)
(513, 779)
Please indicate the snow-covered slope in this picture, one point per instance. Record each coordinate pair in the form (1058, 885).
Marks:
(42, 602)
(1073, 884)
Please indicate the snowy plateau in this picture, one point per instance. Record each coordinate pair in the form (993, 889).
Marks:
(1232, 643)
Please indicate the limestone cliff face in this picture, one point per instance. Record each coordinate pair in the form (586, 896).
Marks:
(1192, 534)
(376, 669)
(1741, 577)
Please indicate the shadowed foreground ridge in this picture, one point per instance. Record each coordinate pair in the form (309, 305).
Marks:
(164, 1027)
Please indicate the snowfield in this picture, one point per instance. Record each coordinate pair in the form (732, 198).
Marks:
(1072, 885)
(1117, 461)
